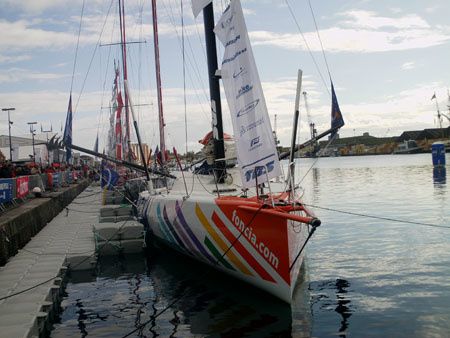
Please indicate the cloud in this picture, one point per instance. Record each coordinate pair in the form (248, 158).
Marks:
(5, 59)
(33, 6)
(408, 65)
(362, 32)
(22, 36)
(369, 20)
(19, 74)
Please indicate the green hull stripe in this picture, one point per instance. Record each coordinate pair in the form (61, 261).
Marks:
(217, 254)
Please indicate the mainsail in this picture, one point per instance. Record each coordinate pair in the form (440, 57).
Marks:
(256, 152)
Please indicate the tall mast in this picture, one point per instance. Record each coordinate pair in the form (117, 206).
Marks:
(125, 75)
(162, 143)
(214, 89)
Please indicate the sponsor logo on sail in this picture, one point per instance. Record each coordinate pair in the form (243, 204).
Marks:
(232, 58)
(248, 108)
(251, 126)
(240, 72)
(233, 41)
(243, 90)
(254, 141)
(257, 171)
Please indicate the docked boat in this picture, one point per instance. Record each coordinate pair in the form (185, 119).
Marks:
(248, 220)
(244, 221)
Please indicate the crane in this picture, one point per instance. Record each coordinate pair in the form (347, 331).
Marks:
(312, 127)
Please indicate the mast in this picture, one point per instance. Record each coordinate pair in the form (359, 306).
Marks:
(162, 143)
(125, 75)
(214, 89)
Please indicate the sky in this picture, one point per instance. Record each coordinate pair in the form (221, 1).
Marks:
(386, 60)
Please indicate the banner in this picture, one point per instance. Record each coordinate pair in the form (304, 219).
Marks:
(256, 152)
(6, 190)
(56, 180)
(21, 186)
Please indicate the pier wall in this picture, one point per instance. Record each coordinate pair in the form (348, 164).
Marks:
(19, 225)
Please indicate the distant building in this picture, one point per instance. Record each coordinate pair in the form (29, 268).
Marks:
(426, 134)
(137, 152)
(22, 150)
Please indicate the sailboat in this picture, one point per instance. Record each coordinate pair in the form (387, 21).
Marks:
(242, 221)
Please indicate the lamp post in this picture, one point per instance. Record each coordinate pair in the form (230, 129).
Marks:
(9, 127)
(46, 132)
(32, 138)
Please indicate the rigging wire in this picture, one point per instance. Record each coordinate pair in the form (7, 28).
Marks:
(184, 78)
(193, 63)
(76, 48)
(197, 69)
(320, 40)
(307, 46)
(93, 55)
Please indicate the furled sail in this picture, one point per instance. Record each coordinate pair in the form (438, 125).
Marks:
(256, 152)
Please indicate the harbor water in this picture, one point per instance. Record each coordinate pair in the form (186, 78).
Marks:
(366, 274)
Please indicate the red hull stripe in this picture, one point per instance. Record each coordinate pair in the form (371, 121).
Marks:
(241, 249)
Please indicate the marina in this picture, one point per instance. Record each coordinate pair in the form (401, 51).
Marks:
(169, 203)
(362, 275)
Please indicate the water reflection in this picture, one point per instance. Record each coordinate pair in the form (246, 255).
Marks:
(343, 305)
(332, 295)
(127, 292)
(439, 175)
(216, 305)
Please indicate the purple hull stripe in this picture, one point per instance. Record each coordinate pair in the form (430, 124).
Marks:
(186, 240)
(172, 230)
(192, 235)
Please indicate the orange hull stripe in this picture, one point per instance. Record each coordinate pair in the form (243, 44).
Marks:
(241, 249)
(201, 216)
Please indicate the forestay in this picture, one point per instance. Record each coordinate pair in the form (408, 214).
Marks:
(256, 151)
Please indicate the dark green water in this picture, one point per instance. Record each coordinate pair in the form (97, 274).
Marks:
(363, 277)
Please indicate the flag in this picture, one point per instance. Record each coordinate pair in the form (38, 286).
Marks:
(96, 145)
(434, 96)
(337, 120)
(198, 5)
(109, 179)
(68, 131)
(118, 133)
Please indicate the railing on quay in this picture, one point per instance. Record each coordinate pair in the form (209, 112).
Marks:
(16, 190)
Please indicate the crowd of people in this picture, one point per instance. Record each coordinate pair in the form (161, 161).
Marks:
(10, 170)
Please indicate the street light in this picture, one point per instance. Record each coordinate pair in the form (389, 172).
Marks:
(9, 126)
(32, 138)
(46, 132)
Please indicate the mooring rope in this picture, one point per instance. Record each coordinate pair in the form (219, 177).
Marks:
(377, 217)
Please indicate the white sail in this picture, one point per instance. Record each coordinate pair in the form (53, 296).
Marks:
(256, 151)
(198, 5)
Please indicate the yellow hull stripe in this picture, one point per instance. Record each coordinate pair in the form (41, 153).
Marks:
(201, 216)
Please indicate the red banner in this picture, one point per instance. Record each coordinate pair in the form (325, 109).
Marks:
(21, 186)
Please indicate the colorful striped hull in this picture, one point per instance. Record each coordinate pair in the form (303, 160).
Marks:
(232, 234)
